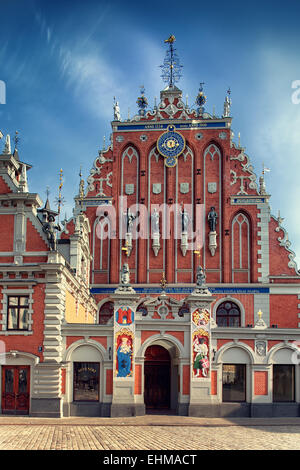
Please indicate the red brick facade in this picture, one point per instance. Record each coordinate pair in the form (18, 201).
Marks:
(70, 281)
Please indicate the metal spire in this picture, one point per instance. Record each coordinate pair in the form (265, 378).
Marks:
(16, 139)
(81, 185)
(171, 68)
(59, 201)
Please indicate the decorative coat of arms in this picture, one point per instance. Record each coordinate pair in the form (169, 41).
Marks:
(124, 316)
(212, 187)
(129, 189)
(184, 188)
(156, 188)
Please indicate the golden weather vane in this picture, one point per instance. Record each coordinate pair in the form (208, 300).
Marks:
(171, 39)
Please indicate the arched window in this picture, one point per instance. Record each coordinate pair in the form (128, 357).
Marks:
(106, 312)
(228, 314)
(130, 174)
(213, 151)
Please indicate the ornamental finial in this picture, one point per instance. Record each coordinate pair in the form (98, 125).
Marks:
(201, 99)
(171, 68)
(262, 184)
(142, 102)
(81, 185)
(227, 104)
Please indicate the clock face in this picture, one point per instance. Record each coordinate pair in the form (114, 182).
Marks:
(170, 145)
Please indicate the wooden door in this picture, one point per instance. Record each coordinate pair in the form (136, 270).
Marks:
(15, 389)
(157, 373)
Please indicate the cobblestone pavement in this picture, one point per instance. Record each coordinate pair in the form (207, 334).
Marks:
(121, 435)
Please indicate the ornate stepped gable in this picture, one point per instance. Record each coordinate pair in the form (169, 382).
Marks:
(239, 179)
(100, 179)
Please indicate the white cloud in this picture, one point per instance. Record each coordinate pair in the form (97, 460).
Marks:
(92, 79)
(276, 137)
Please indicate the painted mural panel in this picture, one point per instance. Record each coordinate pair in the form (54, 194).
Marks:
(200, 343)
(200, 353)
(124, 340)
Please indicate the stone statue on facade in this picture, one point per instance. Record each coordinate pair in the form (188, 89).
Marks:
(227, 104)
(185, 220)
(129, 220)
(155, 221)
(124, 285)
(201, 287)
(125, 275)
(212, 219)
(200, 277)
(117, 115)
(155, 232)
(50, 229)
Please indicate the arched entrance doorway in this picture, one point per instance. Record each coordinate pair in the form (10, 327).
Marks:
(157, 373)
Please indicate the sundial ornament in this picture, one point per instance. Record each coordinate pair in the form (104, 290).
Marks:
(170, 145)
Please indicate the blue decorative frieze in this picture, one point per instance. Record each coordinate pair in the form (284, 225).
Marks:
(186, 290)
(155, 127)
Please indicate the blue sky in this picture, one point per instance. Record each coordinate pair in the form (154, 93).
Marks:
(64, 61)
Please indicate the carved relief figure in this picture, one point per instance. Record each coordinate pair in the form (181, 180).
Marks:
(200, 353)
(124, 356)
